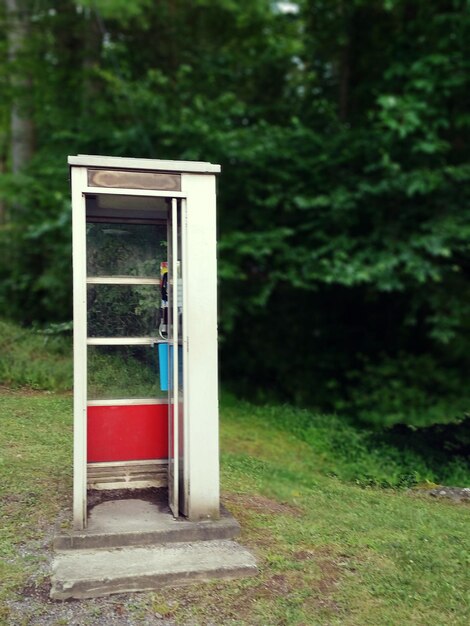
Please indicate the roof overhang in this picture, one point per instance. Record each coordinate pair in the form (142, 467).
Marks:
(155, 165)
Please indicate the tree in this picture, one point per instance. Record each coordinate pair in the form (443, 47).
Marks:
(342, 131)
(21, 118)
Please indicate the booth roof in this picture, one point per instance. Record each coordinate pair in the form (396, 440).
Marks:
(158, 165)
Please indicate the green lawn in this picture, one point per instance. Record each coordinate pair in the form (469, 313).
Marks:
(330, 551)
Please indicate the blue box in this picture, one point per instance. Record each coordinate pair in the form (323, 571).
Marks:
(164, 359)
(163, 365)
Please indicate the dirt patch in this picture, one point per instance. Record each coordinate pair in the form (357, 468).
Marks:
(150, 494)
(13, 498)
(313, 595)
(37, 591)
(278, 584)
(304, 555)
(261, 504)
(230, 603)
(331, 566)
(330, 577)
(258, 538)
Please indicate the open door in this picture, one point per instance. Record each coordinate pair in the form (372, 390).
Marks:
(175, 360)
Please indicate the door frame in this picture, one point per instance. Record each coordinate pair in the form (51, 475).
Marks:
(80, 191)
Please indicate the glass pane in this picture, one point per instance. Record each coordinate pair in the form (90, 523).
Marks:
(123, 310)
(125, 249)
(118, 372)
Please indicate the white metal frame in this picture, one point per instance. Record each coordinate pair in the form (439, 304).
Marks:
(121, 280)
(184, 476)
(201, 382)
(127, 402)
(173, 404)
(78, 178)
(200, 392)
(148, 193)
(123, 341)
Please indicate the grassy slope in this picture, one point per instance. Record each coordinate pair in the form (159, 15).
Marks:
(38, 361)
(35, 474)
(330, 551)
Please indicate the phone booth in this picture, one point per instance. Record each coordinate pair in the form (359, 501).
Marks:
(145, 331)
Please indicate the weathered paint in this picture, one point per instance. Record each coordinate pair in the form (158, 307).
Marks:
(127, 433)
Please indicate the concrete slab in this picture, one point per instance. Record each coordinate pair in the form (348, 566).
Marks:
(125, 522)
(93, 573)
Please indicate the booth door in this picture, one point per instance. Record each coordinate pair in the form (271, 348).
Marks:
(127, 409)
(176, 469)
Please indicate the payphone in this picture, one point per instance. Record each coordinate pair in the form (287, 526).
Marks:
(145, 331)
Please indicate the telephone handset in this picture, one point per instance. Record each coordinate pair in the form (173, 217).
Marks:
(163, 325)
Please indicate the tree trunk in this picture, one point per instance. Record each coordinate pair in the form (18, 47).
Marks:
(345, 61)
(21, 122)
(3, 158)
(344, 81)
(92, 41)
(2, 203)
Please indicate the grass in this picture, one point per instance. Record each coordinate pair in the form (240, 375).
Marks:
(34, 359)
(367, 555)
(35, 471)
(330, 551)
(123, 372)
(355, 452)
(323, 503)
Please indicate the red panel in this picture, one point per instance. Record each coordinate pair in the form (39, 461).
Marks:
(127, 433)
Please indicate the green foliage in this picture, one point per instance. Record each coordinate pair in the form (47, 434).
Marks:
(39, 360)
(123, 372)
(342, 131)
(408, 389)
(341, 447)
(36, 268)
(120, 9)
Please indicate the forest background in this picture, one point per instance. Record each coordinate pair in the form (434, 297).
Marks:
(344, 217)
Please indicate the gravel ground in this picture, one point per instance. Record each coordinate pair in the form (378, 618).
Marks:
(33, 607)
(36, 609)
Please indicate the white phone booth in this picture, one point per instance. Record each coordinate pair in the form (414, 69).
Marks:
(145, 331)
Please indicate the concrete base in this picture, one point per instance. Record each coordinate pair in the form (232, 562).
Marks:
(92, 573)
(132, 522)
(137, 545)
